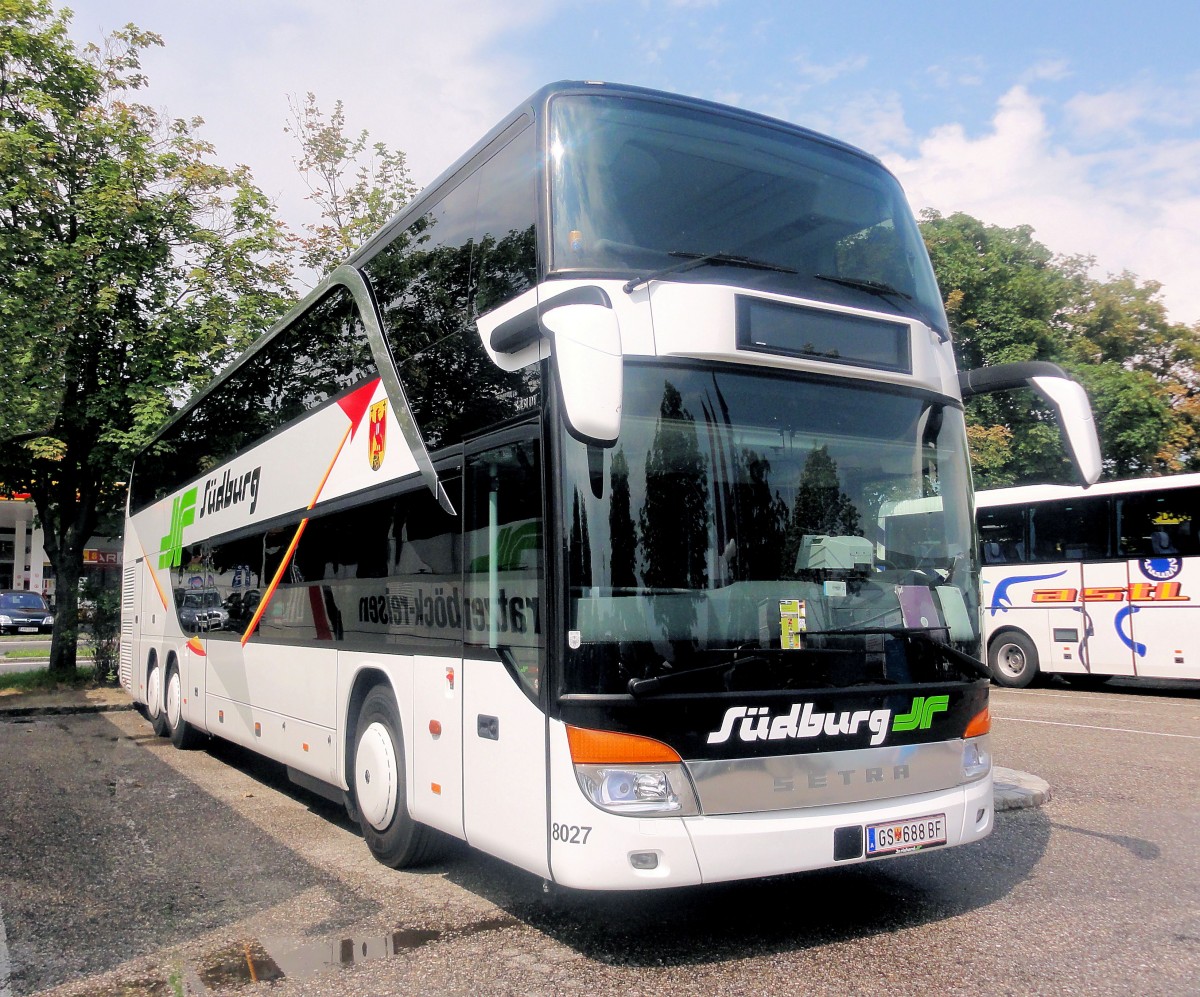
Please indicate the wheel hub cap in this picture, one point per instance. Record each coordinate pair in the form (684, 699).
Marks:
(375, 776)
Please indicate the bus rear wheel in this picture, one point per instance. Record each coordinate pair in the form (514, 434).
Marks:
(183, 735)
(154, 699)
(393, 837)
(1013, 660)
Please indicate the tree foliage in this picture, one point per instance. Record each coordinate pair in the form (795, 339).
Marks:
(132, 267)
(1010, 299)
(356, 184)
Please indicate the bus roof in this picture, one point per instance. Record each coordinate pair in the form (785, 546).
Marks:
(1029, 494)
(534, 108)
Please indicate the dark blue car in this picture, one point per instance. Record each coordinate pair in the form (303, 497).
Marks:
(24, 613)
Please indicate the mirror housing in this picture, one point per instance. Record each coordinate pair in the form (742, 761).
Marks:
(587, 360)
(586, 339)
(1071, 407)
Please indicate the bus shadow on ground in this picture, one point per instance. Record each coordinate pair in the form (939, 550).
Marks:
(709, 924)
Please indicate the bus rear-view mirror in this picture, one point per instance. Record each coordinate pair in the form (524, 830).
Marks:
(1064, 395)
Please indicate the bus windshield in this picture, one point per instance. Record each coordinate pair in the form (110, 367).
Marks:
(812, 526)
(640, 186)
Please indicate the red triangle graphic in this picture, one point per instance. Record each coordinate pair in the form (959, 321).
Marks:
(356, 403)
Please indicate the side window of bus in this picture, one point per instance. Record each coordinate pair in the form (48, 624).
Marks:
(505, 260)
(1157, 524)
(1002, 536)
(504, 557)
(1070, 530)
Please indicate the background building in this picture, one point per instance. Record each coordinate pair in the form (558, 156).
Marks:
(23, 563)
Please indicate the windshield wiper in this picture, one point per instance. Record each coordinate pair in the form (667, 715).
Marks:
(691, 261)
(960, 658)
(877, 287)
(639, 687)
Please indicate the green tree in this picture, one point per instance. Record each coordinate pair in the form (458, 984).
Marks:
(1010, 299)
(132, 267)
(356, 184)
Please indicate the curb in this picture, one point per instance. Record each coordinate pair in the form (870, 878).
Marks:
(1018, 790)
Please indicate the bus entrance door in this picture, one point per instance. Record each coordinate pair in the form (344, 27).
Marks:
(504, 728)
(1108, 646)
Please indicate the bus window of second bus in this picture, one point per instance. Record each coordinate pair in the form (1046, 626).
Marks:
(1002, 535)
(1071, 530)
(1157, 524)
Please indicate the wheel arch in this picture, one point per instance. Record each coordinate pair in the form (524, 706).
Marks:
(1009, 628)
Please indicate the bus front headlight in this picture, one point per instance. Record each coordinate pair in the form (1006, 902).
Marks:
(977, 749)
(629, 774)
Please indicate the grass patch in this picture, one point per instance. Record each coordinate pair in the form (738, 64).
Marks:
(38, 653)
(40, 680)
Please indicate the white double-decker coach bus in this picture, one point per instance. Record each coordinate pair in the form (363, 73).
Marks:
(1092, 584)
(609, 510)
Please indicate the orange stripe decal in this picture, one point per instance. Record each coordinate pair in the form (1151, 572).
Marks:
(287, 558)
(154, 578)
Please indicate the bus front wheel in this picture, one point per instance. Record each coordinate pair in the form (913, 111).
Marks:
(1013, 660)
(393, 837)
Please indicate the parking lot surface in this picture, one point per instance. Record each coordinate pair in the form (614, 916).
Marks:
(127, 867)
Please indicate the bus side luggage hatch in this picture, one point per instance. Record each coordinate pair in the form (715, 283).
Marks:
(1066, 396)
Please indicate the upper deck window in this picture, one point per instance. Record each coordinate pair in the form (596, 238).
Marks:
(639, 185)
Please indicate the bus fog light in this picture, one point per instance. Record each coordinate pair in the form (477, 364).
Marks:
(646, 790)
(643, 861)
(976, 758)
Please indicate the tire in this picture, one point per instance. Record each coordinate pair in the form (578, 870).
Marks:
(1013, 660)
(378, 784)
(183, 735)
(154, 699)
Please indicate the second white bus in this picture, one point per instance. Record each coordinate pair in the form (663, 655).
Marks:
(1099, 583)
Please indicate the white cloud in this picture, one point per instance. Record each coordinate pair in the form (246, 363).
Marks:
(1135, 207)
(821, 73)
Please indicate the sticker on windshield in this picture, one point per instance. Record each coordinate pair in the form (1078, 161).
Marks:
(792, 624)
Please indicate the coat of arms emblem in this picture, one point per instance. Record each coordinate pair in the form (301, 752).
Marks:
(377, 437)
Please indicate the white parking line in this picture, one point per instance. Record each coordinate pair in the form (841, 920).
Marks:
(5, 964)
(1119, 730)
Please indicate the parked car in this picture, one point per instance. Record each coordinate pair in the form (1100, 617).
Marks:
(24, 613)
(202, 611)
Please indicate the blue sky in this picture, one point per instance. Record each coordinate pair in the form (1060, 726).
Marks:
(1079, 119)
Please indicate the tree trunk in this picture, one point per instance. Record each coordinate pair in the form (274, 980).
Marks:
(66, 617)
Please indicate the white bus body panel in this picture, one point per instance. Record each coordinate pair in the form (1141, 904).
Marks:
(504, 778)
(1094, 632)
(436, 785)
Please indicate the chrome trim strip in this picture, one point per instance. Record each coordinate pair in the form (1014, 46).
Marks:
(351, 279)
(787, 782)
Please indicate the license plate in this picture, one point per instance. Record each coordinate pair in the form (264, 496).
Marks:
(27, 630)
(906, 835)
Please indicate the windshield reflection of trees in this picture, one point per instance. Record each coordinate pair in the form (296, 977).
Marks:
(707, 510)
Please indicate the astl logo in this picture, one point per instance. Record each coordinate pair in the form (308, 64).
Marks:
(183, 513)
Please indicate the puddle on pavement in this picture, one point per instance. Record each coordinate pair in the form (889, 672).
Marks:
(266, 959)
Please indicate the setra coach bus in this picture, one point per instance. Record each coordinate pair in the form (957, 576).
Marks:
(609, 510)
